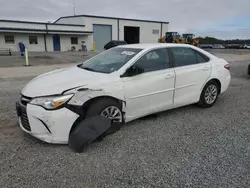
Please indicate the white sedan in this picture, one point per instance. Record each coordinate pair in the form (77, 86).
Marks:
(123, 83)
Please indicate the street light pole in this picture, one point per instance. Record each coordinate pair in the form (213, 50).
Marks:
(74, 7)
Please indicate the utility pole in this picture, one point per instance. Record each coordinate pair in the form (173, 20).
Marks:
(74, 7)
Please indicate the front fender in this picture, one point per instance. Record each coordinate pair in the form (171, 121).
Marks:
(82, 95)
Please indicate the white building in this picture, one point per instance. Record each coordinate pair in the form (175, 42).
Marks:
(70, 31)
(37, 36)
(110, 28)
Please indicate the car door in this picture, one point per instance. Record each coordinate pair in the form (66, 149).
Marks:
(153, 89)
(192, 70)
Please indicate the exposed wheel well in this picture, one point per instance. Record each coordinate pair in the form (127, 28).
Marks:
(87, 104)
(218, 82)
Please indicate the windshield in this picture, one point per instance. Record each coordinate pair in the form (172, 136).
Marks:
(111, 60)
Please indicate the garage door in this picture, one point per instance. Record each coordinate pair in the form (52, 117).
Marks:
(102, 35)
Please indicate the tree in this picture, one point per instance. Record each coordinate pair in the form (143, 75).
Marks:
(212, 40)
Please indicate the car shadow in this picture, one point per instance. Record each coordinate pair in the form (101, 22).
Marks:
(155, 116)
(151, 117)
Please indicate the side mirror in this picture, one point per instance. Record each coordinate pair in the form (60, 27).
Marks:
(132, 71)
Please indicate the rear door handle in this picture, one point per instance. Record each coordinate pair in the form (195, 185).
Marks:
(167, 76)
(205, 68)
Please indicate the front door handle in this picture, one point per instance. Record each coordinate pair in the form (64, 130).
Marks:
(205, 68)
(167, 76)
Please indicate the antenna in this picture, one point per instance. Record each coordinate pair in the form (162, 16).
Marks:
(74, 7)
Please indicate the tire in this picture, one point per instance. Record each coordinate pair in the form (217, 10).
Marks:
(87, 132)
(97, 107)
(203, 102)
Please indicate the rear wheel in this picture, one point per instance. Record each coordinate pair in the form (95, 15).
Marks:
(209, 95)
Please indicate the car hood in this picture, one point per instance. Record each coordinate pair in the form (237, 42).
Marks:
(58, 81)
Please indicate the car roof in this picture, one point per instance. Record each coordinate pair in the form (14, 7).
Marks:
(153, 45)
(149, 46)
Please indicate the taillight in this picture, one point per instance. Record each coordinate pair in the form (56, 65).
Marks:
(227, 67)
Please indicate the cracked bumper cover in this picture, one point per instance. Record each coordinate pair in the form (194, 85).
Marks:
(49, 126)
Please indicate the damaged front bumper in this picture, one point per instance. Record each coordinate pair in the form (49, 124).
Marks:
(51, 126)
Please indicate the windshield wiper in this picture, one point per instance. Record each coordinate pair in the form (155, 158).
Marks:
(93, 70)
(89, 69)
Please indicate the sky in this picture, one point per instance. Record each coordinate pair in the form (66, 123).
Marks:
(224, 19)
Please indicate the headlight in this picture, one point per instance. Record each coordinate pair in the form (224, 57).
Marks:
(52, 102)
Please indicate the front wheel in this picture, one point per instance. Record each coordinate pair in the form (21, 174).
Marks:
(209, 95)
(105, 107)
(108, 108)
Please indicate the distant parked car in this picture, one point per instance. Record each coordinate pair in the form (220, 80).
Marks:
(233, 46)
(114, 43)
(218, 46)
(206, 46)
(245, 46)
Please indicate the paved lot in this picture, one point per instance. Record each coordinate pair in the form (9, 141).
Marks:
(185, 147)
(44, 58)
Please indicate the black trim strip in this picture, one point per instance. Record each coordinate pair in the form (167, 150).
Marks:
(29, 22)
(44, 30)
(69, 31)
(118, 29)
(171, 58)
(44, 124)
(70, 89)
(129, 19)
(76, 109)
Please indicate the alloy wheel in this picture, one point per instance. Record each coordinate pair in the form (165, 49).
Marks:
(211, 94)
(113, 113)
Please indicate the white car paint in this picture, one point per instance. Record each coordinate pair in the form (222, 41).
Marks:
(141, 95)
(59, 122)
(58, 81)
(148, 97)
(190, 80)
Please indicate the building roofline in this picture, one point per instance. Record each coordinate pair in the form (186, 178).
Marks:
(43, 30)
(116, 18)
(42, 23)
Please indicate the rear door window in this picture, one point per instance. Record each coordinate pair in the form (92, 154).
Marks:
(154, 60)
(201, 58)
(183, 56)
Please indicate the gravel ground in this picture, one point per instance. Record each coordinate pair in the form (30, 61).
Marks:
(185, 147)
